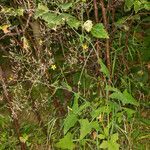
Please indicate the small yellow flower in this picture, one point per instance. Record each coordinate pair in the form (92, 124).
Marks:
(84, 46)
(53, 67)
(5, 28)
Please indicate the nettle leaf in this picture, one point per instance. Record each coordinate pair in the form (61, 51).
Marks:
(124, 97)
(99, 31)
(70, 121)
(85, 128)
(104, 69)
(66, 142)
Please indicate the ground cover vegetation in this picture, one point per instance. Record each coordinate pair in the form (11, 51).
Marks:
(74, 74)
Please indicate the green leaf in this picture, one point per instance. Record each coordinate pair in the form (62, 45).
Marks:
(66, 142)
(70, 121)
(147, 6)
(103, 68)
(75, 107)
(85, 128)
(102, 109)
(129, 98)
(129, 4)
(137, 5)
(101, 136)
(114, 137)
(82, 107)
(73, 22)
(111, 144)
(66, 6)
(124, 97)
(40, 10)
(98, 31)
(104, 145)
(110, 88)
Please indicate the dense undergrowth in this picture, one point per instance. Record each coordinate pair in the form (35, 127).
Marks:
(74, 74)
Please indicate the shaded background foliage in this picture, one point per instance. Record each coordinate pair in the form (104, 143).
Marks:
(74, 72)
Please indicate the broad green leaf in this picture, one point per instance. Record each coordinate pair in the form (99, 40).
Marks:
(147, 6)
(95, 125)
(42, 7)
(70, 121)
(129, 4)
(66, 6)
(102, 109)
(66, 142)
(41, 10)
(85, 128)
(129, 112)
(124, 97)
(73, 22)
(99, 31)
(137, 5)
(113, 145)
(104, 145)
(129, 98)
(104, 69)
(114, 137)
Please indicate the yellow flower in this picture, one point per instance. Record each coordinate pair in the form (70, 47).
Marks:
(84, 46)
(53, 67)
(5, 28)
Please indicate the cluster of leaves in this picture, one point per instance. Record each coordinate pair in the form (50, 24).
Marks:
(56, 58)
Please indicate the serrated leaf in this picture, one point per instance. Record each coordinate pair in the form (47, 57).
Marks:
(129, 98)
(66, 142)
(99, 31)
(103, 109)
(124, 97)
(70, 121)
(85, 128)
